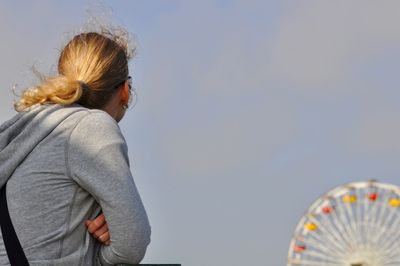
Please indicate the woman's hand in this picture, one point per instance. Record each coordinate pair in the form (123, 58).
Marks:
(99, 229)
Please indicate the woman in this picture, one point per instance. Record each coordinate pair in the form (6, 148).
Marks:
(64, 161)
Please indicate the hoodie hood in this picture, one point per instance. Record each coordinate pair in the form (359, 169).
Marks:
(22, 133)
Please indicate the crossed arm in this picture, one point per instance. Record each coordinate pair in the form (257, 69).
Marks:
(97, 160)
(99, 229)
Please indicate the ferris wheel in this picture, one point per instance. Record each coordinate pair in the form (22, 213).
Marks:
(357, 224)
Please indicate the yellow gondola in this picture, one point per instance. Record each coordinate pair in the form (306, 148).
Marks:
(311, 226)
(394, 202)
(349, 198)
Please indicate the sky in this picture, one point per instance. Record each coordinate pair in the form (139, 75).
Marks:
(247, 111)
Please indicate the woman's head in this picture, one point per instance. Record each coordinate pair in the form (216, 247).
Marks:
(92, 68)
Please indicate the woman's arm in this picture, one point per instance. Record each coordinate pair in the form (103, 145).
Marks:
(99, 229)
(97, 160)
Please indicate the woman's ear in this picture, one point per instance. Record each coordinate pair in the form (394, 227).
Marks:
(124, 92)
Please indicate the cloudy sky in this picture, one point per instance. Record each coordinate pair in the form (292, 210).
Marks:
(247, 110)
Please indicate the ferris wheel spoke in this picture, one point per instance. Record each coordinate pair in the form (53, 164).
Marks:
(341, 230)
(381, 228)
(394, 261)
(330, 236)
(317, 242)
(384, 232)
(326, 252)
(368, 219)
(340, 221)
(391, 248)
(315, 263)
(390, 236)
(392, 256)
(315, 254)
(387, 253)
(335, 230)
(352, 222)
(351, 234)
(359, 218)
(372, 215)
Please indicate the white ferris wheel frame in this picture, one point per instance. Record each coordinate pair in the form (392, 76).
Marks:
(351, 225)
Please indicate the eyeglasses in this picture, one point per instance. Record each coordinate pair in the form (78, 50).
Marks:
(129, 79)
(131, 91)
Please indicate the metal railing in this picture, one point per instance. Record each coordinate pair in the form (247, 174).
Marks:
(149, 265)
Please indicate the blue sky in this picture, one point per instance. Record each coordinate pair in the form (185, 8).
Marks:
(247, 112)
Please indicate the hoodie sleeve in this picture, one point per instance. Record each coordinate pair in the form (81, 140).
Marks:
(97, 160)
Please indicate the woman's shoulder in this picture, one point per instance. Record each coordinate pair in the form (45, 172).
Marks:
(96, 135)
(95, 119)
(96, 127)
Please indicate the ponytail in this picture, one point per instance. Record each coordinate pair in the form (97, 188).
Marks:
(57, 89)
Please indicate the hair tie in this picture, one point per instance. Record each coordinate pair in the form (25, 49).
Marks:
(83, 85)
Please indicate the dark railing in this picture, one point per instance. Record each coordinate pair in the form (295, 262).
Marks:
(150, 265)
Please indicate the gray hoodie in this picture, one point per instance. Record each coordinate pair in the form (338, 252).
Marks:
(62, 166)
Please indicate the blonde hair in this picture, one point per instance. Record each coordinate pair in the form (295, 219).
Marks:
(90, 68)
